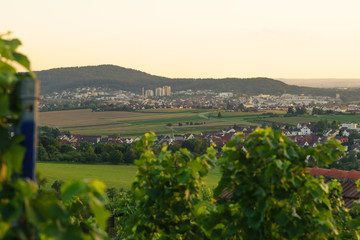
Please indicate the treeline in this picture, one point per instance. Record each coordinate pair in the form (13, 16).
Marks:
(299, 110)
(322, 125)
(49, 106)
(319, 111)
(52, 149)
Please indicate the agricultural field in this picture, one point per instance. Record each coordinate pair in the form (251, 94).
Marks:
(117, 176)
(163, 121)
(244, 117)
(307, 118)
(267, 117)
(131, 124)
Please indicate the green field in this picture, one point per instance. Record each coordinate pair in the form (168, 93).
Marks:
(133, 124)
(307, 118)
(278, 117)
(117, 176)
(244, 117)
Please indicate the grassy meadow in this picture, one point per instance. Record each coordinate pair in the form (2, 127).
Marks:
(117, 176)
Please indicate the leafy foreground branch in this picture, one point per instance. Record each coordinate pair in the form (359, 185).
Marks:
(270, 194)
(25, 211)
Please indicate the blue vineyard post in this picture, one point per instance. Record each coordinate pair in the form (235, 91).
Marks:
(29, 95)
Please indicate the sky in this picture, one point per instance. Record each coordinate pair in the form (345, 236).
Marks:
(192, 38)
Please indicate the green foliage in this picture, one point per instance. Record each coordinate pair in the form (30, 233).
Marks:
(343, 217)
(86, 147)
(57, 185)
(290, 110)
(348, 162)
(274, 197)
(298, 111)
(51, 149)
(49, 132)
(11, 152)
(241, 107)
(116, 157)
(197, 146)
(174, 147)
(320, 126)
(26, 212)
(167, 190)
(123, 208)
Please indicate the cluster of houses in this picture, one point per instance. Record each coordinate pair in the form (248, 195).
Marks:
(75, 139)
(302, 135)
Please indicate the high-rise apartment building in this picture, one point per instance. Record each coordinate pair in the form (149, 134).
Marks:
(159, 92)
(167, 90)
(149, 93)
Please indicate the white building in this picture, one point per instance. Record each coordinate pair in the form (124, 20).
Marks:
(226, 94)
(351, 126)
(167, 90)
(159, 91)
(305, 130)
(149, 93)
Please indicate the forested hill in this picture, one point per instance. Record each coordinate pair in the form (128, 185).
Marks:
(132, 80)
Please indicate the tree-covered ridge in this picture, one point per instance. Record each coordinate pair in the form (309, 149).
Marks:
(132, 80)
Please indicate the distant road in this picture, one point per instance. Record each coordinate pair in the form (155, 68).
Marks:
(203, 115)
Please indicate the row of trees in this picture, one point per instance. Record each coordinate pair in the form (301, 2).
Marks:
(66, 105)
(322, 125)
(51, 149)
(180, 124)
(319, 111)
(299, 110)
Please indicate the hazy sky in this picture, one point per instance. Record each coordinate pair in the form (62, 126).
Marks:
(192, 38)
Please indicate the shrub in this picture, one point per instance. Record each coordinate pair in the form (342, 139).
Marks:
(167, 190)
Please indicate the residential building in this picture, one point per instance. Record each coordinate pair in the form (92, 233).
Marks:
(159, 92)
(167, 90)
(149, 93)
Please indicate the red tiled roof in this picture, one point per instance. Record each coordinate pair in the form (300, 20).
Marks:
(334, 173)
(317, 171)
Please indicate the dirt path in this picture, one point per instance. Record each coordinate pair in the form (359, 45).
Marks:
(202, 115)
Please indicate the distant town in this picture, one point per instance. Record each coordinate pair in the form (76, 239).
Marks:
(305, 134)
(102, 99)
